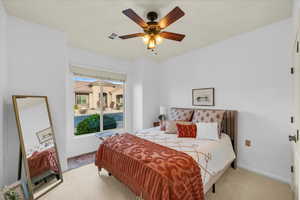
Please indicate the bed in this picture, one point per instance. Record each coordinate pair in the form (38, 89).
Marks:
(212, 157)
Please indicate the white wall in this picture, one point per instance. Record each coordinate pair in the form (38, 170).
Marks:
(3, 83)
(137, 94)
(146, 91)
(250, 73)
(88, 143)
(37, 61)
(151, 91)
(296, 17)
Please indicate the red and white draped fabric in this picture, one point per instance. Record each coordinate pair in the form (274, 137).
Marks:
(151, 170)
(43, 161)
(212, 156)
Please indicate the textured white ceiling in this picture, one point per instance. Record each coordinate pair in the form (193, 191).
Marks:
(89, 22)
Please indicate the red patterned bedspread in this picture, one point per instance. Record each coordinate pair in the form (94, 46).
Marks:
(43, 161)
(150, 170)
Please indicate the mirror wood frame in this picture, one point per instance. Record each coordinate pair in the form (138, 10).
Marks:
(22, 146)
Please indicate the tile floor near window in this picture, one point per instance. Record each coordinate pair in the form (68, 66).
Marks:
(85, 184)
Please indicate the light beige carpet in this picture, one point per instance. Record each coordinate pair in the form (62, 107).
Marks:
(84, 184)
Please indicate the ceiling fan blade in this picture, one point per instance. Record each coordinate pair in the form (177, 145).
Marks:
(134, 17)
(172, 36)
(132, 35)
(171, 17)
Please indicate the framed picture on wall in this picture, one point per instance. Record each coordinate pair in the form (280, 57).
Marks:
(203, 97)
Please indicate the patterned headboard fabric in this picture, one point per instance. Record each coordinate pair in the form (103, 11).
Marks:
(227, 118)
(181, 114)
(208, 115)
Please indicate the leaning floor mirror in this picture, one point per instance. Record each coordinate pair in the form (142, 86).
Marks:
(37, 144)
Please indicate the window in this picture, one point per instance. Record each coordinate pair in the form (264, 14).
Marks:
(120, 98)
(113, 110)
(99, 104)
(82, 99)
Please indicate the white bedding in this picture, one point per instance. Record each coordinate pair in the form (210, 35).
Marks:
(211, 155)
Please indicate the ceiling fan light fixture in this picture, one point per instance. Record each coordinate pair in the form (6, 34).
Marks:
(158, 39)
(152, 30)
(152, 43)
(146, 39)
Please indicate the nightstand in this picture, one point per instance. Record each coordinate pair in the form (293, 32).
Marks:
(155, 124)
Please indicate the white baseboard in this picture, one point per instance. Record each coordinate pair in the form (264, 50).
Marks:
(267, 174)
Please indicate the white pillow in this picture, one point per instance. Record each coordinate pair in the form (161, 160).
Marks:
(207, 130)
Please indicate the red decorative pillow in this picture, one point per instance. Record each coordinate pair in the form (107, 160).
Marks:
(187, 130)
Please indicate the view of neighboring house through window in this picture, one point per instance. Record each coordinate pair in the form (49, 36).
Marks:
(82, 99)
(99, 105)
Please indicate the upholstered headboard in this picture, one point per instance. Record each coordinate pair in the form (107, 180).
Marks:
(228, 125)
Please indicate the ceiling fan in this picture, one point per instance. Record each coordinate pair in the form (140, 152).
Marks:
(153, 33)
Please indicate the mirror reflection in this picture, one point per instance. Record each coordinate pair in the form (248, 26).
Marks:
(39, 148)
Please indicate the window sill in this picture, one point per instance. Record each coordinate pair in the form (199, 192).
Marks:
(95, 134)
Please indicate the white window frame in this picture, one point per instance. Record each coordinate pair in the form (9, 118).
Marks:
(101, 101)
